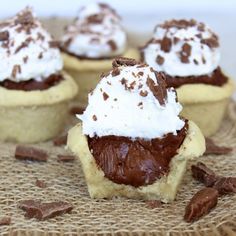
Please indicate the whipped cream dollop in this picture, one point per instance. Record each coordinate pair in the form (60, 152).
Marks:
(96, 33)
(132, 101)
(183, 48)
(27, 50)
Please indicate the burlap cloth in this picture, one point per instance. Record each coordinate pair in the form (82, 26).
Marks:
(119, 216)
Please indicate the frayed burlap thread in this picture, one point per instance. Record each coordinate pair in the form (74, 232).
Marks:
(65, 181)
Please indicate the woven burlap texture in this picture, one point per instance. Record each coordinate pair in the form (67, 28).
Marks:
(119, 216)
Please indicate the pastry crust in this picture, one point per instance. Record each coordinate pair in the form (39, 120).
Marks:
(202, 93)
(205, 104)
(73, 63)
(163, 189)
(63, 91)
(35, 116)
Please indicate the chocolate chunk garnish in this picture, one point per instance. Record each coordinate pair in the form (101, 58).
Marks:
(166, 44)
(112, 45)
(54, 44)
(16, 69)
(203, 174)
(212, 148)
(225, 185)
(115, 71)
(94, 117)
(5, 221)
(43, 211)
(4, 35)
(61, 140)
(160, 60)
(152, 204)
(40, 183)
(176, 40)
(77, 110)
(65, 158)
(30, 153)
(105, 96)
(201, 204)
(124, 61)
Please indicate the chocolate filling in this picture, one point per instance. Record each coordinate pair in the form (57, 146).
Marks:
(32, 84)
(135, 162)
(217, 78)
(85, 57)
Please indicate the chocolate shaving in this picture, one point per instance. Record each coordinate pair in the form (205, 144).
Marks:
(212, 148)
(54, 44)
(95, 19)
(94, 117)
(211, 42)
(186, 49)
(124, 61)
(25, 59)
(105, 96)
(112, 45)
(201, 204)
(5, 221)
(4, 35)
(40, 56)
(65, 158)
(166, 44)
(115, 71)
(23, 45)
(203, 174)
(160, 60)
(143, 93)
(176, 40)
(225, 185)
(61, 140)
(30, 153)
(195, 62)
(152, 204)
(16, 70)
(178, 24)
(140, 73)
(40, 183)
(77, 110)
(25, 18)
(43, 211)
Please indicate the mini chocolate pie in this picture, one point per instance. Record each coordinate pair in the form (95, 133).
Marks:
(90, 44)
(188, 52)
(132, 142)
(34, 92)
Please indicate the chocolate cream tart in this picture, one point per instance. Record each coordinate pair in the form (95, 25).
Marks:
(90, 44)
(188, 53)
(132, 142)
(34, 91)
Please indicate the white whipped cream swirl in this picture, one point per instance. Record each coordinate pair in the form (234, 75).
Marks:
(183, 48)
(25, 49)
(96, 33)
(124, 105)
